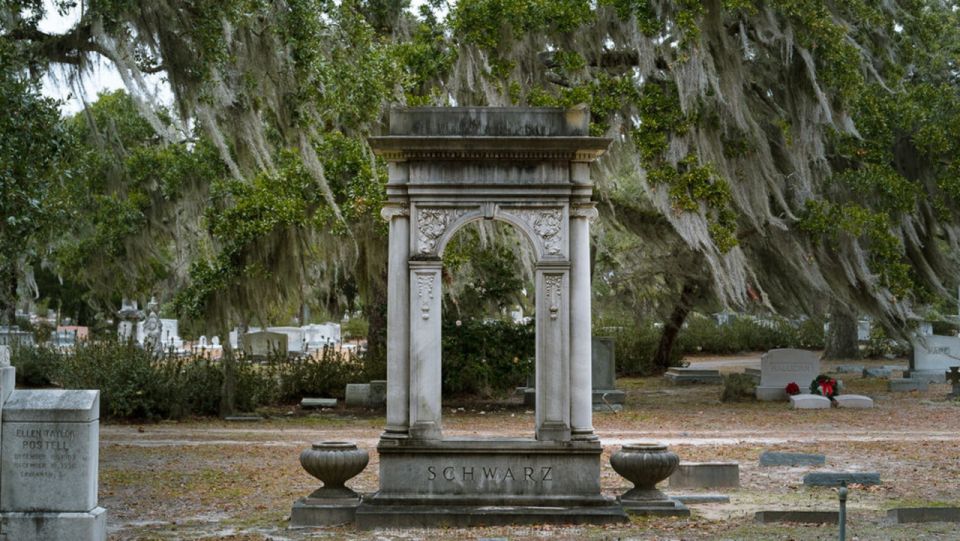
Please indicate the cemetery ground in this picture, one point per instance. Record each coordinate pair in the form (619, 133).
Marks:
(220, 480)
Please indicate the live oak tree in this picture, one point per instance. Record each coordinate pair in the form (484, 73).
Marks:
(770, 154)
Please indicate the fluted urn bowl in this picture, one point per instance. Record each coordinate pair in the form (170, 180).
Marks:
(644, 465)
(334, 463)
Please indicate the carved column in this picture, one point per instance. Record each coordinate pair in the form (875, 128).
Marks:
(581, 324)
(553, 352)
(425, 388)
(398, 322)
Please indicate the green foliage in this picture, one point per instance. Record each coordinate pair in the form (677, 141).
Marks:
(636, 343)
(486, 357)
(738, 388)
(134, 384)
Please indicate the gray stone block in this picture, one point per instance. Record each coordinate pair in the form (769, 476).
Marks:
(849, 369)
(38, 526)
(357, 395)
(903, 385)
(804, 517)
(833, 479)
(656, 508)
(682, 376)
(313, 512)
(371, 517)
(318, 403)
(877, 372)
(705, 475)
(378, 393)
(693, 499)
(904, 515)
(8, 381)
(604, 363)
(926, 376)
(776, 458)
(243, 418)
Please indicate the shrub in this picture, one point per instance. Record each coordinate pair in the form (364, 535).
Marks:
(737, 388)
(486, 357)
(35, 365)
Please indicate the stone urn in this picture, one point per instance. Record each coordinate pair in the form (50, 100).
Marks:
(334, 463)
(644, 465)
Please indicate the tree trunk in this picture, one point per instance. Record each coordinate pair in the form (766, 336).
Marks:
(8, 299)
(673, 324)
(375, 361)
(228, 390)
(842, 340)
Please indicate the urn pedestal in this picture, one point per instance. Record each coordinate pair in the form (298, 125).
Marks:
(645, 465)
(334, 463)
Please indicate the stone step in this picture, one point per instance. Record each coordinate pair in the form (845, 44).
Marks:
(833, 479)
(904, 515)
(705, 475)
(805, 517)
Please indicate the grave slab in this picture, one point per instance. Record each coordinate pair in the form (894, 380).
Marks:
(853, 401)
(904, 385)
(809, 402)
(777, 458)
(926, 376)
(833, 479)
(693, 499)
(849, 369)
(91, 526)
(804, 517)
(877, 372)
(904, 515)
(680, 376)
(318, 403)
(705, 475)
(378, 393)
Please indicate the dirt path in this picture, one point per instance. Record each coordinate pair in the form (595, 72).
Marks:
(212, 479)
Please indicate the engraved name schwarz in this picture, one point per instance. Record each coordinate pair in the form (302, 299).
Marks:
(498, 475)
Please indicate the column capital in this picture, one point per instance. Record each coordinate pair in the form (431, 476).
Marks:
(393, 210)
(585, 210)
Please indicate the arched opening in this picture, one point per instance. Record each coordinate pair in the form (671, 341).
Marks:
(488, 329)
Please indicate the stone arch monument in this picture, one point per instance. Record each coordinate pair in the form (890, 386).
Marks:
(528, 167)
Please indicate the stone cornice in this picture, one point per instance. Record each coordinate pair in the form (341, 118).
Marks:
(414, 148)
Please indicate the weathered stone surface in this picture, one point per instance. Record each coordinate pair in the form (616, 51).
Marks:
(318, 403)
(378, 393)
(38, 526)
(243, 418)
(877, 372)
(902, 385)
(904, 515)
(357, 395)
(604, 363)
(8, 381)
(487, 122)
(693, 375)
(926, 376)
(833, 479)
(693, 499)
(805, 517)
(49, 451)
(658, 508)
(313, 512)
(809, 402)
(370, 517)
(777, 458)
(779, 367)
(935, 353)
(853, 401)
(849, 369)
(706, 475)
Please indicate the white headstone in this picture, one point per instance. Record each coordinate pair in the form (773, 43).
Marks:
(863, 330)
(202, 341)
(294, 337)
(779, 367)
(925, 328)
(215, 341)
(936, 352)
(4, 356)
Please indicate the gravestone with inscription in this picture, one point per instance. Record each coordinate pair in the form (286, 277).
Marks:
(779, 367)
(49, 460)
(528, 168)
(933, 355)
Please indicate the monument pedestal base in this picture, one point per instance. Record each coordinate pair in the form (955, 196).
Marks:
(468, 482)
(89, 526)
(658, 508)
(312, 512)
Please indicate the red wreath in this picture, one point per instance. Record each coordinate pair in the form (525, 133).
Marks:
(792, 388)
